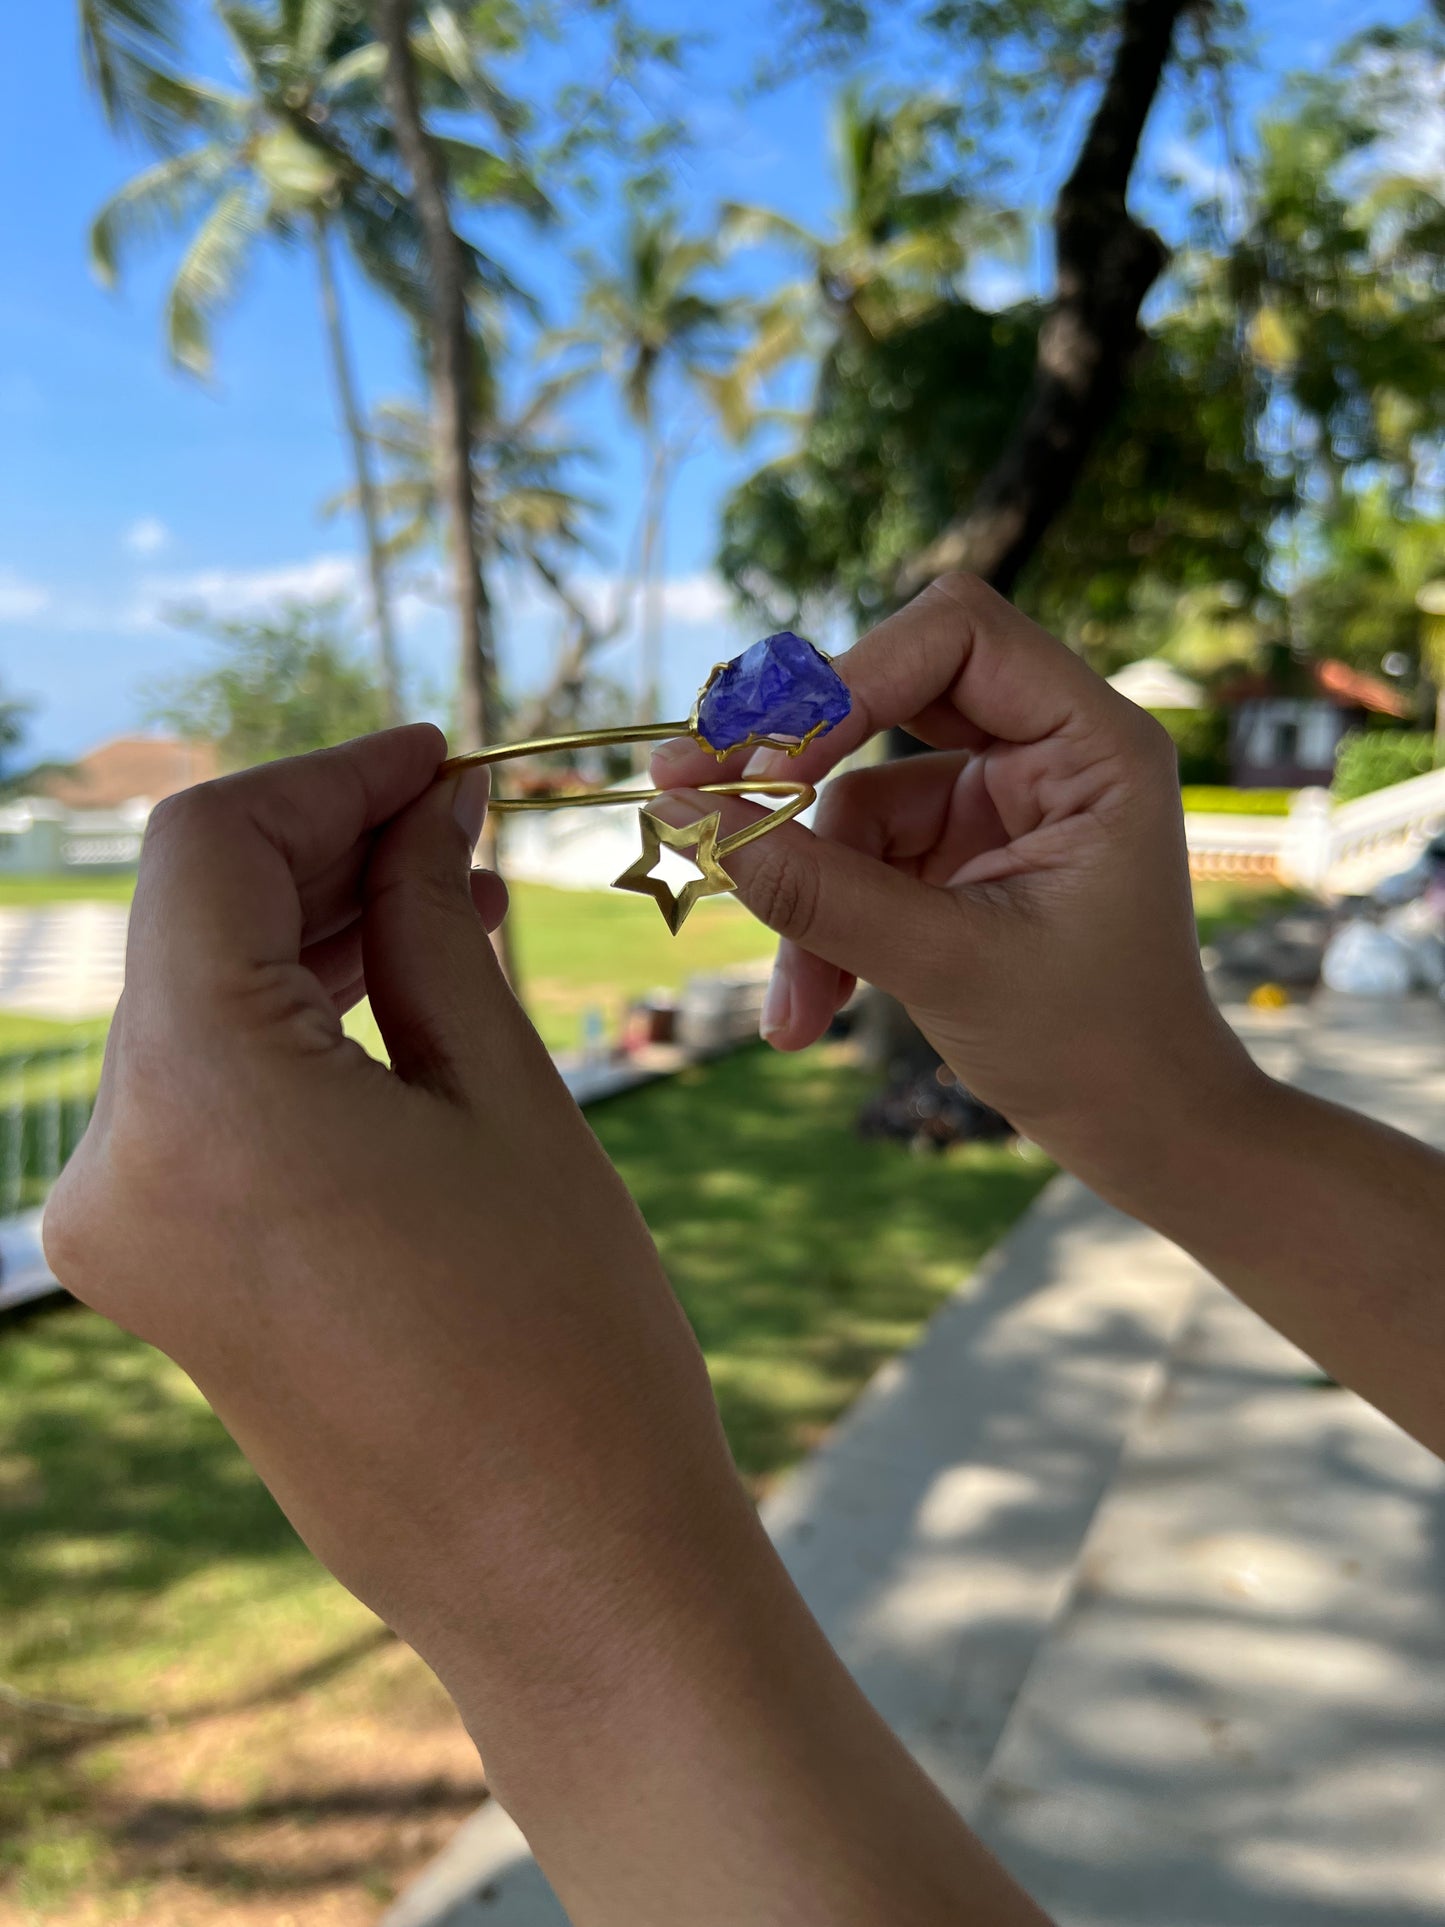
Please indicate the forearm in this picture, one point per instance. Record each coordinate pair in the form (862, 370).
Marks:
(1328, 1224)
(719, 1765)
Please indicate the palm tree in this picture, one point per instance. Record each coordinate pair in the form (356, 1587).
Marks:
(525, 512)
(903, 235)
(448, 338)
(129, 48)
(302, 154)
(651, 322)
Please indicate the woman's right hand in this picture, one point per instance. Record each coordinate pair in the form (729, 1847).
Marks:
(1023, 890)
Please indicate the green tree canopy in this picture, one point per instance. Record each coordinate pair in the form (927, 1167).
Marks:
(285, 683)
(1289, 401)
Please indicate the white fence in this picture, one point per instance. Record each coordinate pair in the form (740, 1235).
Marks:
(41, 838)
(1339, 849)
(46, 1096)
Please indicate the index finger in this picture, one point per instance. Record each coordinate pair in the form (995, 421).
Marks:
(225, 865)
(959, 667)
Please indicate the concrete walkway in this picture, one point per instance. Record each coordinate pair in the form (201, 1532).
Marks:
(1239, 1721)
(1160, 1613)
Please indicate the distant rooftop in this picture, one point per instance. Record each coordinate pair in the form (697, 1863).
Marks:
(128, 767)
(1336, 681)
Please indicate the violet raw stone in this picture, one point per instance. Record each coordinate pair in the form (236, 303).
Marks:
(781, 686)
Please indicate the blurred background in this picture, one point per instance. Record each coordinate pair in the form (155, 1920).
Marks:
(510, 366)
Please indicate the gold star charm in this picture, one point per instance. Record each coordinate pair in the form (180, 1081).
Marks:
(701, 840)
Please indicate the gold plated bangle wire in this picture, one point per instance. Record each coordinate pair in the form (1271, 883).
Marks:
(706, 847)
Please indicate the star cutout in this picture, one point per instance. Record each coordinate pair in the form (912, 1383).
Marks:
(701, 840)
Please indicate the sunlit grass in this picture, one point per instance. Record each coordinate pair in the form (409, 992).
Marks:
(592, 949)
(1221, 906)
(145, 1568)
(802, 1254)
(71, 886)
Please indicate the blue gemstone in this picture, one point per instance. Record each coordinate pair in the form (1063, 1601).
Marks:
(782, 686)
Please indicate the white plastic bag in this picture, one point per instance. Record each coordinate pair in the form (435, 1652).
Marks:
(1417, 927)
(1364, 961)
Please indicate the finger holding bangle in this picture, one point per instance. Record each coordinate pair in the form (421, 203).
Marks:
(781, 694)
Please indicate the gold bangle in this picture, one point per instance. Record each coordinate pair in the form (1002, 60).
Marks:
(707, 847)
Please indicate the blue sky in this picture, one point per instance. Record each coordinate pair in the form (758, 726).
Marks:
(126, 486)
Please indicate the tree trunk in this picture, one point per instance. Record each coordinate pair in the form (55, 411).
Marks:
(1106, 263)
(569, 672)
(649, 627)
(453, 390)
(450, 368)
(387, 659)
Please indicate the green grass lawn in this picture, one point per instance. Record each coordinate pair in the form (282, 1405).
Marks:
(1221, 906)
(594, 948)
(575, 950)
(146, 1568)
(72, 886)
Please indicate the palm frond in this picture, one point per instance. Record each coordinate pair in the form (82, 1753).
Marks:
(210, 275)
(361, 67)
(126, 46)
(744, 225)
(312, 29)
(480, 174)
(253, 30)
(297, 172)
(448, 50)
(160, 197)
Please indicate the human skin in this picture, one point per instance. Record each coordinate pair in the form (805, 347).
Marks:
(428, 1311)
(1024, 892)
(425, 1306)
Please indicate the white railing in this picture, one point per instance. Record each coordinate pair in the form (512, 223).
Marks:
(1376, 835)
(1342, 849)
(46, 1097)
(1235, 846)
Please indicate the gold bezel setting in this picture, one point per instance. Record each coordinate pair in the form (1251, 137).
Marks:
(703, 838)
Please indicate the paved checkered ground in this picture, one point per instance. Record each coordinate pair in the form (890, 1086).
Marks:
(63, 960)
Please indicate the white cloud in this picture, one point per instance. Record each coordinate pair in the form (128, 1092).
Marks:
(148, 536)
(688, 601)
(20, 598)
(696, 599)
(232, 592)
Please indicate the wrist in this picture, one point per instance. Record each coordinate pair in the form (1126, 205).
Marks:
(633, 1685)
(736, 1762)
(1163, 1128)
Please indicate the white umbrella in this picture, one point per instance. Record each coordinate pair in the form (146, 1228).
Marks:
(1157, 685)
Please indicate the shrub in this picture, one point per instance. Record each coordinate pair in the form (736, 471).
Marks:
(1373, 759)
(1201, 737)
(1214, 799)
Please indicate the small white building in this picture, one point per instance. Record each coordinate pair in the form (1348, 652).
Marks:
(1285, 730)
(93, 815)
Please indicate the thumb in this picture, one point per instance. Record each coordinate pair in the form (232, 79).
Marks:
(438, 993)
(835, 902)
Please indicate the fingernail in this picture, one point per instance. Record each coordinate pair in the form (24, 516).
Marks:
(678, 808)
(469, 801)
(766, 762)
(777, 1008)
(674, 752)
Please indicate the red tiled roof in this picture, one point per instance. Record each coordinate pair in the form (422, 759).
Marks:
(1358, 689)
(129, 766)
(1336, 681)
